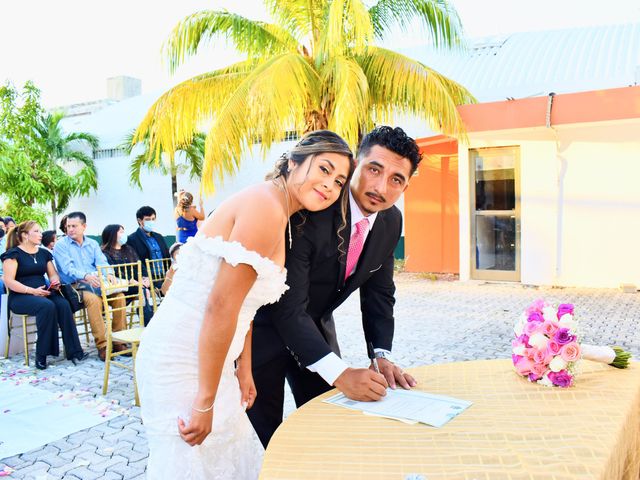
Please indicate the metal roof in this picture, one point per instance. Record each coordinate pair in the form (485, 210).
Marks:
(536, 63)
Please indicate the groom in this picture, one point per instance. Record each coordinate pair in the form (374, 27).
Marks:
(296, 338)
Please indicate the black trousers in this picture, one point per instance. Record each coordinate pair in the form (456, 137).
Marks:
(266, 413)
(51, 312)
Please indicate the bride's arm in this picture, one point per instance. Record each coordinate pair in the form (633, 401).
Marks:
(256, 229)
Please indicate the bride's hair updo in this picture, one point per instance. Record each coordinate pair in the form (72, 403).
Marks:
(310, 145)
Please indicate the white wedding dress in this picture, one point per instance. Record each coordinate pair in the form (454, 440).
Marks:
(167, 368)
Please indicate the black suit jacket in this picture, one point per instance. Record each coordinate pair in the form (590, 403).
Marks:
(137, 241)
(302, 321)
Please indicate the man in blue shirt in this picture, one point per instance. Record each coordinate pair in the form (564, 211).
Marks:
(77, 258)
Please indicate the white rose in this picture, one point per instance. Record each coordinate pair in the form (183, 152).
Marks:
(545, 381)
(557, 364)
(538, 340)
(518, 328)
(519, 350)
(550, 314)
(567, 321)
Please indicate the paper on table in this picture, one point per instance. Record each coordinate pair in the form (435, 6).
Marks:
(434, 410)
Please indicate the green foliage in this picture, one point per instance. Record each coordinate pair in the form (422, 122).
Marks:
(317, 66)
(186, 159)
(39, 163)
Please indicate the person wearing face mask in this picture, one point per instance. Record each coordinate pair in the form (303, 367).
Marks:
(115, 248)
(146, 242)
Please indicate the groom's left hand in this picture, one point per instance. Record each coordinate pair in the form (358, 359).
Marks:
(395, 375)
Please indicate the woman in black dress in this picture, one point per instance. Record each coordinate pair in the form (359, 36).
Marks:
(25, 265)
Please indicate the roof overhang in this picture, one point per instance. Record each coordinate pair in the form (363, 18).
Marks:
(570, 108)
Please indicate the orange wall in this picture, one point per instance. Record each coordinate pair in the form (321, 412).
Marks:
(431, 212)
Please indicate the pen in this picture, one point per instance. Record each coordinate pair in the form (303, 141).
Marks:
(372, 356)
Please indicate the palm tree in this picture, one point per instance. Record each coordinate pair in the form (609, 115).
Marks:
(60, 150)
(315, 67)
(192, 156)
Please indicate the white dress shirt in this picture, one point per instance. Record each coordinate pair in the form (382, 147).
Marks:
(331, 366)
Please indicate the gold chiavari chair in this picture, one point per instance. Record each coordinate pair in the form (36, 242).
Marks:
(132, 303)
(157, 271)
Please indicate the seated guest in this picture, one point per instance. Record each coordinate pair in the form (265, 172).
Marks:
(63, 225)
(25, 265)
(173, 251)
(187, 216)
(3, 240)
(146, 242)
(49, 239)
(9, 223)
(77, 257)
(118, 252)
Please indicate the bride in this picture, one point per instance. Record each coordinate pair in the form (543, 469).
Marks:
(193, 399)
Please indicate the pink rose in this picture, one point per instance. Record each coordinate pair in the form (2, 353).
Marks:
(564, 308)
(541, 356)
(570, 352)
(561, 379)
(532, 327)
(549, 328)
(563, 337)
(523, 367)
(535, 317)
(536, 306)
(553, 347)
(538, 369)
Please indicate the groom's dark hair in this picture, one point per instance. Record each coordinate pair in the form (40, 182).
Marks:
(394, 139)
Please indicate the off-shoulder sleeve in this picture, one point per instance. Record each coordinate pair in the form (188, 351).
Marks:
(271, 277)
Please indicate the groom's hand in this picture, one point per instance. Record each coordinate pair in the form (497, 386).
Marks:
(394, 375)
(362, 384)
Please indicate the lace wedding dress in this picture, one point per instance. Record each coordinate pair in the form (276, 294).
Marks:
(167, 368)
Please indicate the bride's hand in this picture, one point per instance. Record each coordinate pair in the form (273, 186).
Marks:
(199, 426)
(247, 387)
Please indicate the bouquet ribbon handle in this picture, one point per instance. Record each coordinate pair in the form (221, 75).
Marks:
(614, 356)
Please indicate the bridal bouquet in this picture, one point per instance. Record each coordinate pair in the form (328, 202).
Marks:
(547, 347)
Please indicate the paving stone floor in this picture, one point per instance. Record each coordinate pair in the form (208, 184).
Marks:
(436, 321)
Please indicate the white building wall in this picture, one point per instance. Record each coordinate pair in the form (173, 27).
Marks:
(580, 203)
(116, 201)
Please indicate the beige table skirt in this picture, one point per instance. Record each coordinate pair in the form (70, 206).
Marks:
(513, 430)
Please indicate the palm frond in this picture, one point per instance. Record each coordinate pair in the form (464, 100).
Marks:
(83, 159)
(303, 18)
(402, 85)
(174, 118)
(438, 17)
(272, 99)
(248, 36)
(194, 155)
(88, 138)
(348, 28)
(349, 108)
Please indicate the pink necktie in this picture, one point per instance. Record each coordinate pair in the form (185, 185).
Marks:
(355, 245)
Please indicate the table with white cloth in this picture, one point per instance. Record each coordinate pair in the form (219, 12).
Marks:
(514, 430)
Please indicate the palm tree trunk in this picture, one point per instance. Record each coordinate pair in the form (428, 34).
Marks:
(174, 188)
(53, 212)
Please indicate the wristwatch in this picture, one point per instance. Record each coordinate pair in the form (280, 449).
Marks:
(384, 354)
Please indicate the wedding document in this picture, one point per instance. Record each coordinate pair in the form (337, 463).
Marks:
(409, 406)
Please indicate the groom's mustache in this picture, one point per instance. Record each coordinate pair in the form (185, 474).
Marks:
(376, 197)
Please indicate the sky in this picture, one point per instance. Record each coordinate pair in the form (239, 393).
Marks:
(70, 47)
